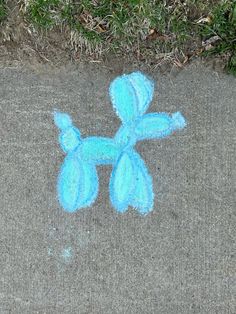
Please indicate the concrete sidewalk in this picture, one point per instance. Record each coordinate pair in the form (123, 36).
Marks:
(177, 260)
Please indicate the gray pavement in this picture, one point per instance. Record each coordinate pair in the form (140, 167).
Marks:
(177, 260)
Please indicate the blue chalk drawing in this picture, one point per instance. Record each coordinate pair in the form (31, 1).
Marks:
(130, 182)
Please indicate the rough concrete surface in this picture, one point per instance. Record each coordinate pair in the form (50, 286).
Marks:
(177, 260)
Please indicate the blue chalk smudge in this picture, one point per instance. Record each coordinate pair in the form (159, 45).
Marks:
(130, 182)
(50, 252)
(67, 254)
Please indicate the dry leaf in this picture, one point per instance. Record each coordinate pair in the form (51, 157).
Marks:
(204, 20)
(154, 34)
(211, 41)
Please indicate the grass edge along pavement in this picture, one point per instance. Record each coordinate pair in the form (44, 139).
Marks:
(145, 29)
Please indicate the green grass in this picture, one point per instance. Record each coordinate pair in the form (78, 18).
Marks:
(3, 10)
(139, 27)
(124, 23)
(43, 13)
(223, 25)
